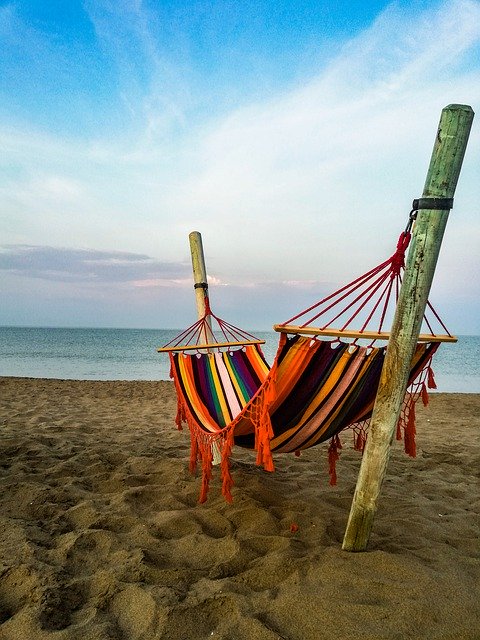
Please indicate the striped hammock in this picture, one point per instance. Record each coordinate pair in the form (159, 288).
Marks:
(314, 390)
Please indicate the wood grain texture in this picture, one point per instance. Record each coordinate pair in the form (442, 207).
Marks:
(199, 277)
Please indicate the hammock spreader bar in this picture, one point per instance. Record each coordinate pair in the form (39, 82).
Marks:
(209, 345)
(201, 335)
(345, 333)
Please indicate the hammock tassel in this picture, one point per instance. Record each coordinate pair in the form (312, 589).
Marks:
(333, 457)
(194, 453)
(207, 460)
(227, 480)
(410, 432)
(263, 427)
(359, 439)
(398, 435)
(424, 394)
(180, 418)
(431, 379)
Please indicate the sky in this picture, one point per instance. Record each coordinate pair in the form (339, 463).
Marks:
(293, 135)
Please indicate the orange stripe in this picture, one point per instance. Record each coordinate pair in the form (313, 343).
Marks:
(291, 368)
(258, 364)
(201, 412)
(324, 391)
(350, 388)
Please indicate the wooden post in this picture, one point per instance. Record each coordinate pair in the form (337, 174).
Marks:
(201, 295)
(445, 165)
(200, 282)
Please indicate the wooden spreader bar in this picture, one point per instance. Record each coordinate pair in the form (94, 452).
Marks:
(367, 335)
(210, 345)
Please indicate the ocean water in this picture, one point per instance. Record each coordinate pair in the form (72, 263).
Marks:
(130, 354)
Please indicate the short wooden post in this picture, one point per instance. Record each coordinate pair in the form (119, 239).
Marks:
(200, 283)
(201, 296)
(445, 165)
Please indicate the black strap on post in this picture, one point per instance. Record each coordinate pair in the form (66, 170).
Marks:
(200, 285)
(441, 204)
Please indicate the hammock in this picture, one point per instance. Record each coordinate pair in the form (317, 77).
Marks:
(316, 388)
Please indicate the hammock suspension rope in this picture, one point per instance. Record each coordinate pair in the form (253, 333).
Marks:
(220, 411)
(377, 289)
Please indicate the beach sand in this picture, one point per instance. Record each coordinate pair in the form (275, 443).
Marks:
(101, 535)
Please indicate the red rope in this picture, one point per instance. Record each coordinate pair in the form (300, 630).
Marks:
(438, 318)
(356, 295)
(202, 330)
(386, 292)
(364, 290)
(343, 297)
(378, 283)
(364, 278)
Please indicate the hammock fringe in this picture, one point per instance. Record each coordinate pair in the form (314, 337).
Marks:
(257, 411)
(313, 391)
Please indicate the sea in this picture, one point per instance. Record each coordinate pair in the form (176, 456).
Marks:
(131, 354)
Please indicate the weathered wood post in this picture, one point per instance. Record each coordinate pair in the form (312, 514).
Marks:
(442, 176)
(201, 297)
(200, 283)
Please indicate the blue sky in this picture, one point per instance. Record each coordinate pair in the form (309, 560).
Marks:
(292, 135)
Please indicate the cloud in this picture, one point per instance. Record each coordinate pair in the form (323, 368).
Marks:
(312, 184)
(150, 82)
(302, 180)
(89, 266)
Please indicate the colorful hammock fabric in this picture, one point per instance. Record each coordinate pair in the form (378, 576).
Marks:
(216, 387)
(314, 390)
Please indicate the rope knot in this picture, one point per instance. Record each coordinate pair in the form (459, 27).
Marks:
(208, 310)
(398, 258)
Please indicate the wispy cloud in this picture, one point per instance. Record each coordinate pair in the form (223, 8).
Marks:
(150, 82)
(301, 180)
(310, 185)
(88, 266)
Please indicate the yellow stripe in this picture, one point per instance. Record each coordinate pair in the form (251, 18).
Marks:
(243, 398)
(317, 400)
(362, 371)
(186, 374)
(219, 390)
(328, 385)
(257, 362)
(291, 368)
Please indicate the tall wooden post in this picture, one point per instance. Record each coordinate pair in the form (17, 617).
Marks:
(200, 282)
(445, 165)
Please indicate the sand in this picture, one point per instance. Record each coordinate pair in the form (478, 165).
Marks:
(101, 535)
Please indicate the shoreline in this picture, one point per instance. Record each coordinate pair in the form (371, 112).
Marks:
(101, 534)
(431, 392)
